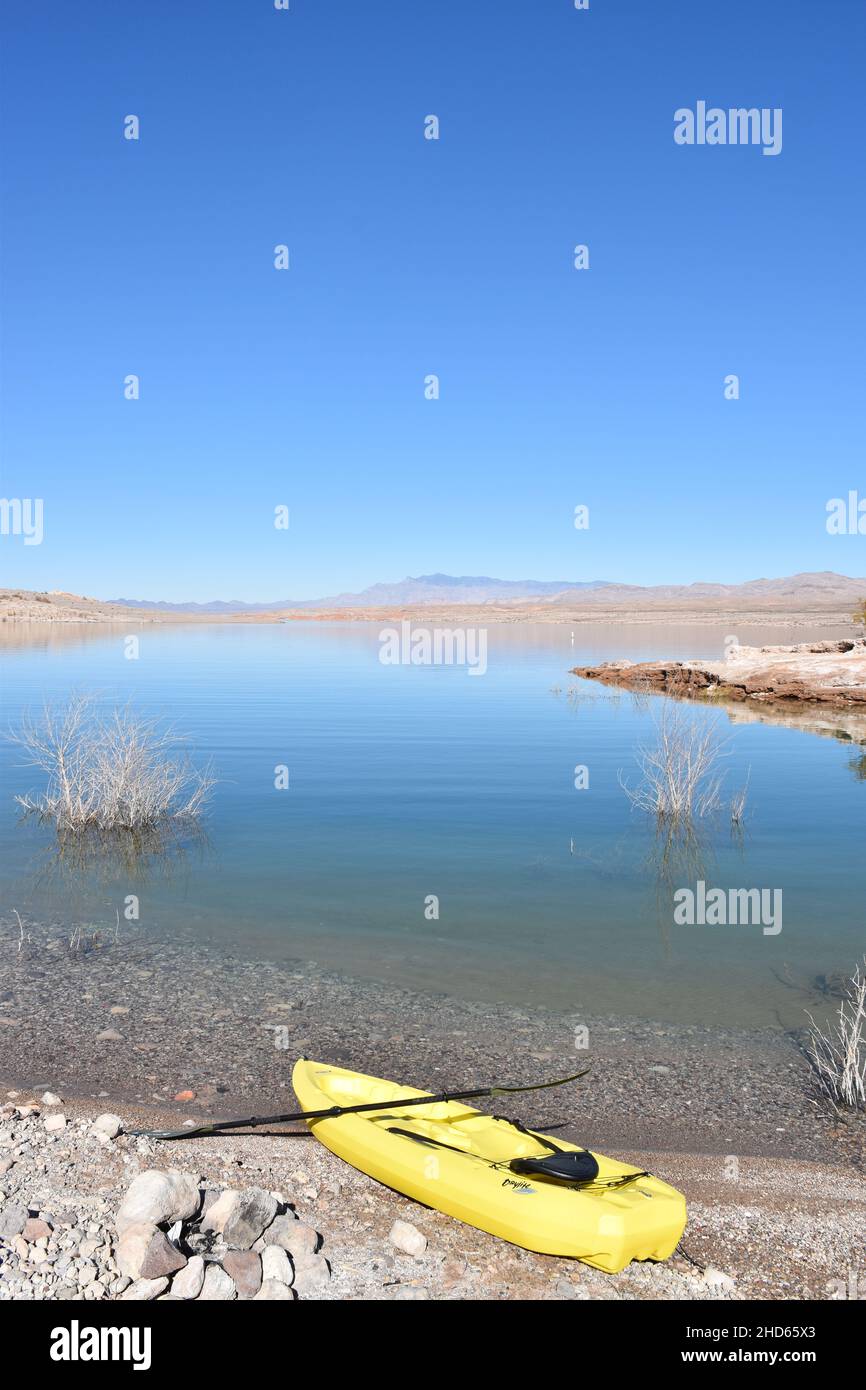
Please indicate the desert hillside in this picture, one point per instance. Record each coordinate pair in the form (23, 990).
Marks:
(825, 599)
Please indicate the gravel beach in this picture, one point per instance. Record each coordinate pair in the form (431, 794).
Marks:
(775, 1181)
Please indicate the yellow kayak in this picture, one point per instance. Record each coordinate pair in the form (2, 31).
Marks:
(458, 1160)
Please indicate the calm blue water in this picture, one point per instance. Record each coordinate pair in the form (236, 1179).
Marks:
(411, 781)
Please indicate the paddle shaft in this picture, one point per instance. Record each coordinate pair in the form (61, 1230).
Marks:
(335, 1111)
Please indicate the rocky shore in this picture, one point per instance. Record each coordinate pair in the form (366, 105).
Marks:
(170, 1237)
(88, 1212)
(104, 1039)
(829, 674)
(182, 1024)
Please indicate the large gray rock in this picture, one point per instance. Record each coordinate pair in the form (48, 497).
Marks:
(13, 1219)
(160, 1198)
(218, 1209)
(144, 1290)
(312, 1274)
(132, 1247)
(292, 1235)
(275, 1265)
(218, 1286)
(273, 1291)
(187, 1283)
(254, 1211)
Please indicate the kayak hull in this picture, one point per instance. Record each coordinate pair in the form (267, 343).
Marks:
(605, 1227)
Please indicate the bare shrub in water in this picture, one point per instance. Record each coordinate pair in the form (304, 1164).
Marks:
(680, 777)
(116, 771)
(839, 1055)
(738, 803)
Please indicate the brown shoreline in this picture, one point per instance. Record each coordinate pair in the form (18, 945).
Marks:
(21, 609)
(828, 674)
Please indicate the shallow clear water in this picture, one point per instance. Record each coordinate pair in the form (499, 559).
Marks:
(409, 781)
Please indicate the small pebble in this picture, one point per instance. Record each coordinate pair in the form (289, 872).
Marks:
(406, 1237)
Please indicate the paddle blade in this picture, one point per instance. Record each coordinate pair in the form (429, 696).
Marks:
(564, 1167)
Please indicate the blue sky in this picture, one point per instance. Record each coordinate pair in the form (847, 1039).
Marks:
(409, 257)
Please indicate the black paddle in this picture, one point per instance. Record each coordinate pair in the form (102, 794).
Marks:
(335, 1110)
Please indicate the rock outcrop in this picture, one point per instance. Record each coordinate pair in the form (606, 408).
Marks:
(822, 673)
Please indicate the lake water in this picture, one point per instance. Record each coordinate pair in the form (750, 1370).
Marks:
(407, 782)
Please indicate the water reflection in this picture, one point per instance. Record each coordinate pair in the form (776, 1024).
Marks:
(77, 860)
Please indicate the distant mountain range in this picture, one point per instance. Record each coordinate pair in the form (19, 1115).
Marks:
(824, 587)
(426, 588)
(811, 587)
